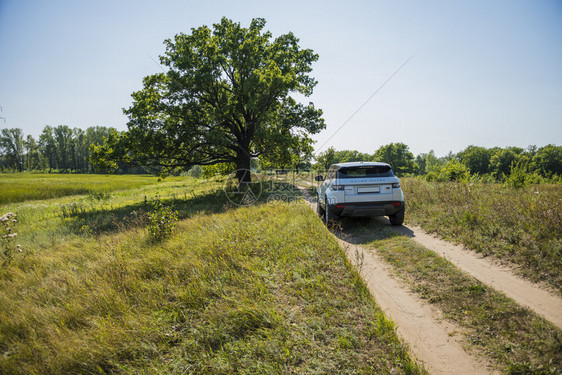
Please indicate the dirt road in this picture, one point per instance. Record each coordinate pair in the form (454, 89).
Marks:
(430, 338)
(419, 323)
(501, 278)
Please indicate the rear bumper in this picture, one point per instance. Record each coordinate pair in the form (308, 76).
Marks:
(367, 208)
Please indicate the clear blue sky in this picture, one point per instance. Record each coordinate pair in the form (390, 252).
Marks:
(487, 73)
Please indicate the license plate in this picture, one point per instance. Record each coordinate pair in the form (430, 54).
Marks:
(373, 189)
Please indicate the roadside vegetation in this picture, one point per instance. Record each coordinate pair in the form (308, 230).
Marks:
(520, 226)
(516, 340)
(258, 289)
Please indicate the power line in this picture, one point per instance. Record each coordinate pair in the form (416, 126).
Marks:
(366, 101)
(156, 62)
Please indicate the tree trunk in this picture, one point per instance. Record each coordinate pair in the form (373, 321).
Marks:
(243, 165)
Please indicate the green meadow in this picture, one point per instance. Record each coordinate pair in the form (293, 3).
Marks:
(20, 187)
(257, 289)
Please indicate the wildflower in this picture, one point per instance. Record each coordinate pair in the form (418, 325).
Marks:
(7, 217)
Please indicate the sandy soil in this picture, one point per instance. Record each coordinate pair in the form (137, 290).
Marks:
(431, 339)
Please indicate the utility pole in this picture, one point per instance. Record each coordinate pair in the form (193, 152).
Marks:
(2, 118)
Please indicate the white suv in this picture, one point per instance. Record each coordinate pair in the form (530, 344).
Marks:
(360, 189)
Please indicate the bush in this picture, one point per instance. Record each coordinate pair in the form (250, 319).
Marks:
(518, 178)
(454, 171)
(432, 176)
(162, 222)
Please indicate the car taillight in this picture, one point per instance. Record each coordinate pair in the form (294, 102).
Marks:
(338, 187)
(396, 185)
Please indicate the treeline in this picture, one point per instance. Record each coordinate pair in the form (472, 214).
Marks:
(67, 150)
(59, 148)
(513, 165)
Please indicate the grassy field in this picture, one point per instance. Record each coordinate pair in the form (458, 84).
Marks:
(20, 187)
(260, 289)
(515, 339)
(521, 226)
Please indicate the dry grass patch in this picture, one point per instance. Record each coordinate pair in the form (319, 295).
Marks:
(521, 226)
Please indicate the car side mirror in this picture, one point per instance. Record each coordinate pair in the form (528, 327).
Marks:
(319, 178)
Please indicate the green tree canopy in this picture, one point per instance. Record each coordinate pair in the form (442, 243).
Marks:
(32, 155)
(429, 163)
(225, 98)
(399, 157)
(502, 160)
(12, 147)
(476, 159)
(331, 156)
(327, 158)
(548, 160)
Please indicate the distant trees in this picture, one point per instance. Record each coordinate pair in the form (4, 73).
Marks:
(64, 149)
(429, 163)
(58, 148)
(513, 165)
(548, 161)
(12, 148)
(476, 159)
(331, 156)
(327, 158)
(32, 154)
(399, 157)
(502, 160)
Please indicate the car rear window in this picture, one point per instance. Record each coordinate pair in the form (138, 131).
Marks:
(365, 171)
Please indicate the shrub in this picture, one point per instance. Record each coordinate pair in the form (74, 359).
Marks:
(432, 176)
(100, 195)
(518, 178)
(454, 171)
(162, 222)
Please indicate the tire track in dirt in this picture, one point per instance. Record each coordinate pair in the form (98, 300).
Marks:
(501, 278)
(418, 324)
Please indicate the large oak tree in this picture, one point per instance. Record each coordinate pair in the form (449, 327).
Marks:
(225, 97)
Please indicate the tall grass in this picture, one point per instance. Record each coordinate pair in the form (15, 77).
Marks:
(261, 289)
(522, 226)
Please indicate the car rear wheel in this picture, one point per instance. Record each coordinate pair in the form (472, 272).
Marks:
(397, 218)
(319, 209)
(329, 216)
